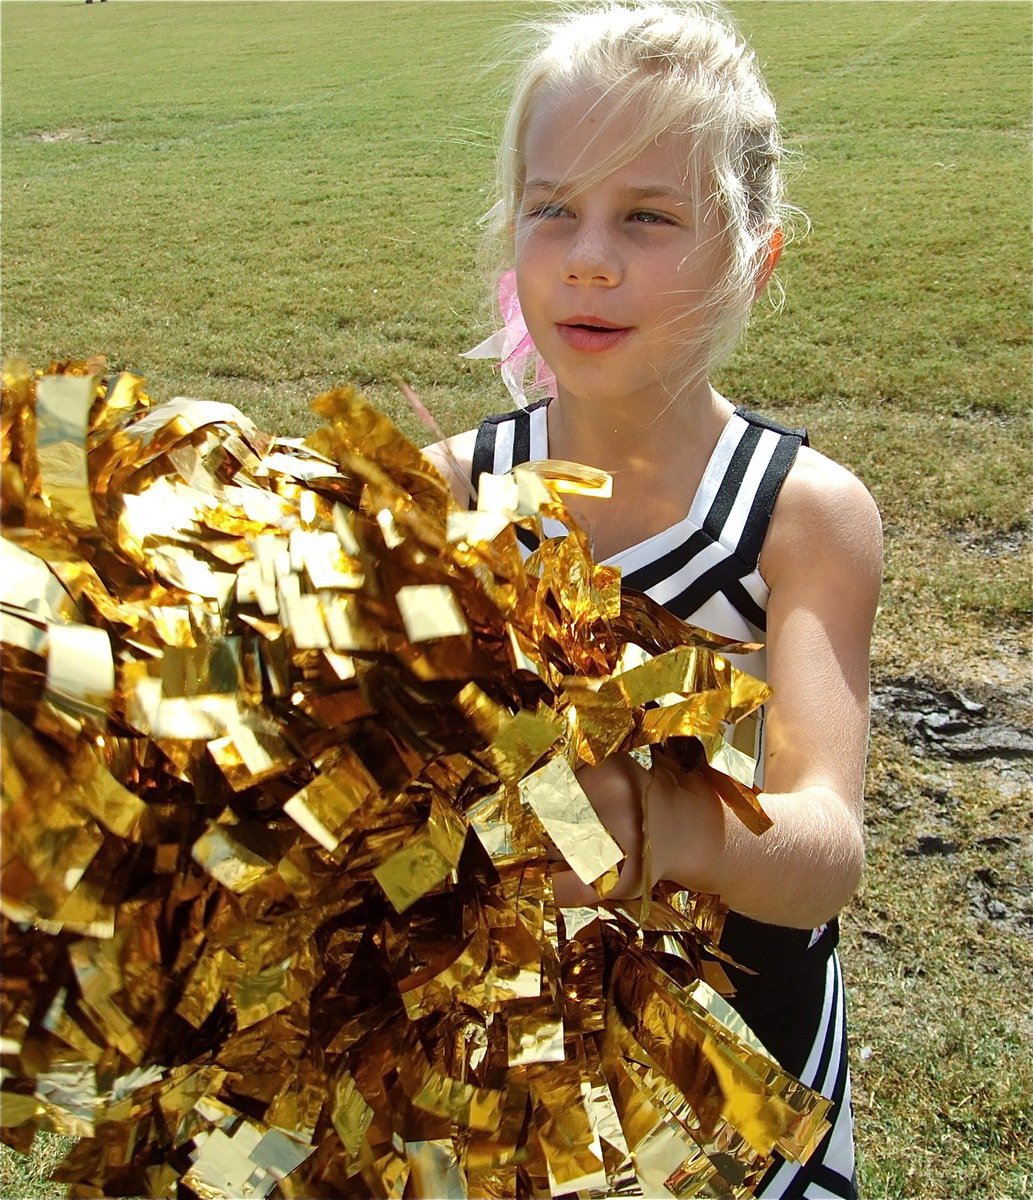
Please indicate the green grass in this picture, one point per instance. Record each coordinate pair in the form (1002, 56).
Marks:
(252, 202)
(255, 203)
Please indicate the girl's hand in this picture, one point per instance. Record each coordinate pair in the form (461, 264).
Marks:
(618, 791)
(636, 806)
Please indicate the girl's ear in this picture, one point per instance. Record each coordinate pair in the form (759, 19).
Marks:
(776, 240)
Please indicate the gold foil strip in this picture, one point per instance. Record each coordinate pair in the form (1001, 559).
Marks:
(250, 1162)
(566, 1132)
(569, 478)
(234, 865)
(434, 1168)
(63, 404)
(331, 804)
(521, 740)
(477, 1108)
(508, 832)
(426, 860)
(429, 611)
(28, 582)
(567, 816)
(536, 1030)
(80, 672)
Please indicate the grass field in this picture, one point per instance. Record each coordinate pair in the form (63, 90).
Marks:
(251, 202)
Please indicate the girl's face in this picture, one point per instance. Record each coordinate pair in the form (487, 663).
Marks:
(616, 274)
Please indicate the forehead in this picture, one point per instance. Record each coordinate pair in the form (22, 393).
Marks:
(593, 134)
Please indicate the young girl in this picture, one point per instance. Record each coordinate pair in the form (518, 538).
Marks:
(642, 204)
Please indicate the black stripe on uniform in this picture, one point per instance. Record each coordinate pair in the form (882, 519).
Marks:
(766, 423)
(650, 574)
(764, 502)
(484, 443)
(527, 539)
(714, 522)
(815, 1170)
(522, 439)
(721, 577)
(835, 1184)
(830, 1032)
(483, 452)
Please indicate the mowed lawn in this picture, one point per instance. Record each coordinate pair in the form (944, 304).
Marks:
(253, 202)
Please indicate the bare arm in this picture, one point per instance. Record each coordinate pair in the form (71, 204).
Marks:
(823, 563)
(453, 457)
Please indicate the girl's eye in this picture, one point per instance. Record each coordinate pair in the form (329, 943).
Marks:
(651, 218)
(546, 211)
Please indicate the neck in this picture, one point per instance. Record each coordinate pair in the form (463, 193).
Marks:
(656, 460)
(664, 432)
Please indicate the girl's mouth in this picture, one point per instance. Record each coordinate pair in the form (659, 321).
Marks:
(592, 335)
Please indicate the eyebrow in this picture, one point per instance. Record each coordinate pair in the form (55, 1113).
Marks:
(657, 191)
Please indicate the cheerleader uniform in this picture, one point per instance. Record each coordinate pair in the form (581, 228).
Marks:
(704, 569)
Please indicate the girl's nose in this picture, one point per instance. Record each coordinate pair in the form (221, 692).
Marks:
(592, 256)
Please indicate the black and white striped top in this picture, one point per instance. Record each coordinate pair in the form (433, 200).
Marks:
(705, 569)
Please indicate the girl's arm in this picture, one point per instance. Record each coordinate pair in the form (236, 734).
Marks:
(823, 563)
(453, 458)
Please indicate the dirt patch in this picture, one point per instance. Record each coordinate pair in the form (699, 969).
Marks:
(985, 742)
(994, 894)
(66, 135)
(994, 543)
(940, 723)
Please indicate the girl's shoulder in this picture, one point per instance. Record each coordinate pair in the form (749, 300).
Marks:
(819, 487)
(825, 514)
(453, 458)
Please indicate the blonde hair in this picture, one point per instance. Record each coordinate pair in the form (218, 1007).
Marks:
(689, 70)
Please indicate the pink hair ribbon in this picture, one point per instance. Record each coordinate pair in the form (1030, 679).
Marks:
(514, 349)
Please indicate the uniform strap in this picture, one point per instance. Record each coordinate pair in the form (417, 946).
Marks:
(782, 459)
(487, 435)
(767, 423)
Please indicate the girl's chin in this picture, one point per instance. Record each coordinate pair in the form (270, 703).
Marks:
(605, 394)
